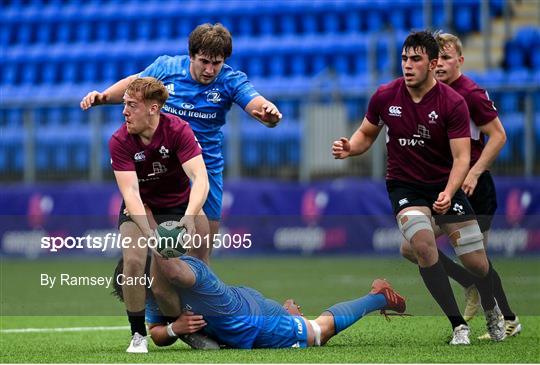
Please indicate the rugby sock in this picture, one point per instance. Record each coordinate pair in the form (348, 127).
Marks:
(136, 320)
(500, 296)
(436, 281)
(485, 288)
(456, 271)
(347, 313)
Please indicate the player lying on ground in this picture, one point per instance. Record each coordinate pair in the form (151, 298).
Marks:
(241, 317)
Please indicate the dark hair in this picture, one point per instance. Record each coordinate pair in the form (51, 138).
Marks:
(422, 40)
(211, 40)
(119, 269)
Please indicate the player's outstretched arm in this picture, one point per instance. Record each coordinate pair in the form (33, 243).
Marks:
(461, 153)
(497, 138)
(187, 323)
(360, 142)
(112, 95)
(129, 188)
(195, 169)
(264, 111)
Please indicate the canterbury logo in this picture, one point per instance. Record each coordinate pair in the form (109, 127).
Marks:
(395, 111)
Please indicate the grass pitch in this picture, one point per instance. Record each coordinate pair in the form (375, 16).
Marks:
(315, 283)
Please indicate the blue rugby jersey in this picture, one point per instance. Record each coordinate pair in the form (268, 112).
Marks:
(204, 107)
(239, 317)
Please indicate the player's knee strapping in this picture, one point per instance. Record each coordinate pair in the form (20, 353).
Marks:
(413, 221)
(467, 239)
(316, 332)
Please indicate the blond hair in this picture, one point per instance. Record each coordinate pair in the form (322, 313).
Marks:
(149, 88)
(447, 39)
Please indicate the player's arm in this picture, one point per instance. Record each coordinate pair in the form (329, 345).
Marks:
(360, 142)
(264, 111)
(461, 154)
(497, 138)
(129, 188)
(187, 323)
(195, 169)
(112, 95)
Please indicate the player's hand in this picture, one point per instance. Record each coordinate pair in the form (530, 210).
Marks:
(293, 308)
(188, 222)
(188, 322)
(470, 182)
(93, 98)
(442, 204)
(341, 148)
(269, 114)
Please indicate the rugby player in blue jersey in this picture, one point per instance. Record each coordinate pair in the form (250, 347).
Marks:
(202, 89)
(241, 317)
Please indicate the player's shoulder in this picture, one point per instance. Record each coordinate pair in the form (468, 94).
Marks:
(172, 64)
(465, 85)
(174, 125)
(229, 75)
(121, 135)
(448, 93)
(391, 88)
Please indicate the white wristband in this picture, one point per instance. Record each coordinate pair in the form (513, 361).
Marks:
(170, 331)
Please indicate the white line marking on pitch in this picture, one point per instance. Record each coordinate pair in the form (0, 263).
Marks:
(66, 329)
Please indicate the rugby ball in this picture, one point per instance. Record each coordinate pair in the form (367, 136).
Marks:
(170, 239)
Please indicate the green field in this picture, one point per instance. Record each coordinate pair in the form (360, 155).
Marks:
(315, 283)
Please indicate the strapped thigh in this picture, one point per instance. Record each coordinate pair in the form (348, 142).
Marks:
(467, 239)
(412, 221)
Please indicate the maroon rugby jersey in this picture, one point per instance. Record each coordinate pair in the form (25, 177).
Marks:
(481, 109)
(418, 133)
(162, 181)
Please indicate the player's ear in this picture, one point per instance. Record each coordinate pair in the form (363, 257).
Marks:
(154, 108)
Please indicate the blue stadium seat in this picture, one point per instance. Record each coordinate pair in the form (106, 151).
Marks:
(164, 29)
(288, 24)
(438, 20)
(144, 29)
(123, 31)
(5, 33)
(309, 24)
(299, 64)
(50, 73)
(104, 31)
(397, 19)
(514, 127)
(64, 33)
(44, 33)
(509, 101)
(9, 73)
(463, 18)
(24, 33)
(30, 72)
(514, 55)
(330, 24)
(84, 32)
(14, 118)
(267, 26)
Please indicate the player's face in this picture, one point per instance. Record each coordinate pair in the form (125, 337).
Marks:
(205, 69)
(416, 67)
(136, 114)
(449, 64)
